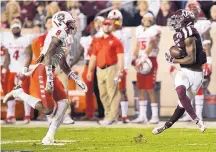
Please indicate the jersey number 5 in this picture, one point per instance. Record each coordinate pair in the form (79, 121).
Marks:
(16, 55)
(143, 45)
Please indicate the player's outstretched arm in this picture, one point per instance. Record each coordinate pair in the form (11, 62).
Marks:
(190, 45)
(77, 57)
(7, 59)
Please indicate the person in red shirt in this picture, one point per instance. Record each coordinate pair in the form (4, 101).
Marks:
(107, 54)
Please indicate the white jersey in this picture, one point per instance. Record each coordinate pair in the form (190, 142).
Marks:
(125, 36)
(61, 34)
(144, 37)
(2, 54)
(85, 42)
(202, 26)
(17, 51)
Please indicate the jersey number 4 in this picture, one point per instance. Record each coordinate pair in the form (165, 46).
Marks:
(16, 55)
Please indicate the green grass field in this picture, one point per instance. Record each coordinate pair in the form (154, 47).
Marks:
(110, 140)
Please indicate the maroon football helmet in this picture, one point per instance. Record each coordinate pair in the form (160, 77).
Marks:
(181, 18)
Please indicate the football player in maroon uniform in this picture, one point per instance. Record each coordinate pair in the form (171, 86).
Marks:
(189, 78)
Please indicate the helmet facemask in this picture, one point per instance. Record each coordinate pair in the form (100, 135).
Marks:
(175, 22)
(71, 27)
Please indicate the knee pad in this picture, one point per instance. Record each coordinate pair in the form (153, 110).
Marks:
(181, 91)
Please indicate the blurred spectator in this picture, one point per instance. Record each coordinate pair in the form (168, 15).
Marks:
(81, 20)
(52, 8)
(213, 13)
(12, 11)
(191, 3)
(4, 21)
(127, 18)
(91, 8)
(40, 16)
(164, 13)
(142, 7)
(28, 11)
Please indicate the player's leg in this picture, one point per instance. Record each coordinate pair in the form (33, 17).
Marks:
(10, 118)
(57, 116)
(124, 99)
(149, 86)
(25, 85)
(39, 100)
(142, 100)
(64, 79)
(199, 101)
(89, 112)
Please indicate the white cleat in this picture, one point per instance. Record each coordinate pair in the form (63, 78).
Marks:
(159, 130)
(154, 120)
(48, 140)
(104, 122)
(140, 119)
(68, 120)
(201, 125)
(14, 93)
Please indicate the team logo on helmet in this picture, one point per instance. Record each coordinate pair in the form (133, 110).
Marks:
(61, 17)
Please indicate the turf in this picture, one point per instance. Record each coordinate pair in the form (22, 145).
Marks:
(111, 140)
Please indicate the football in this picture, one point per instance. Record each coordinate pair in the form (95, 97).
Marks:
(175, 51)
(145, 67)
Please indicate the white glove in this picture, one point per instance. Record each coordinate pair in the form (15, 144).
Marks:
(169, 58)
(78, 81)
(49, 82)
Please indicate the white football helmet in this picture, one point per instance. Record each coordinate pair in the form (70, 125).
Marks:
(145, 67)
(115, 15)
(64, 20)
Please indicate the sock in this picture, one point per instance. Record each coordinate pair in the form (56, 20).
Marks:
(32, 101)
(179, 111)
(154, 108)
(143, 108)
(11, 108)
(199, 100)
(27, 108)
(186, 102)
(124, 108)
(57, 117)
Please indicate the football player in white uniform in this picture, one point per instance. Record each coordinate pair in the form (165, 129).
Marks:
(148, 37)
(18, 57)
(49, 90)
(203, 26)
(124, 35)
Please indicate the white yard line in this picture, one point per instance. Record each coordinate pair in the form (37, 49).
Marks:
(59, 142)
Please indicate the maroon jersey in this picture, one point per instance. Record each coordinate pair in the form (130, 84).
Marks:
(180, 36)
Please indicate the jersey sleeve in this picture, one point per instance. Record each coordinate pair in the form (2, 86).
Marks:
(138, 30)
(154, 30)
(59, 34)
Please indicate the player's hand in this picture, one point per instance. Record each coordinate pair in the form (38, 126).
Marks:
(119, 75)
(49, 86)
(169, 58)
(22, 73)
(40, 58)
(3, 75)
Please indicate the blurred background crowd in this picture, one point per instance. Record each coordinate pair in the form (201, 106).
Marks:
(36, 14)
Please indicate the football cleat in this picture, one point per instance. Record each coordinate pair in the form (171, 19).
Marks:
(140, 119)
(201, 125)
(10, 120)
(14, 93)
(68, 120)
(48, 140)
(27, 120)
(159, 130)
(154, 120)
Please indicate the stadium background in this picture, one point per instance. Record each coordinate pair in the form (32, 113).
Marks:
(168, 98)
